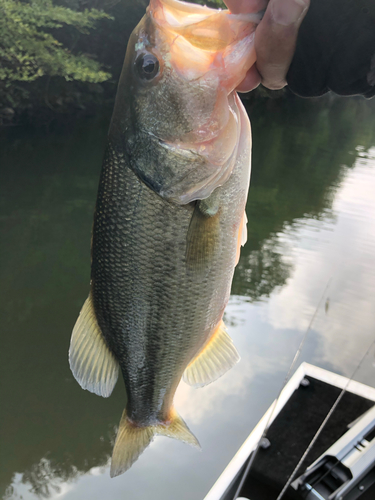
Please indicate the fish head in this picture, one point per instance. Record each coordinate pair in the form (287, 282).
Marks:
(176, 114)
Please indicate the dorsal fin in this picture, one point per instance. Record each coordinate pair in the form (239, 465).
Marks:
(93, 365)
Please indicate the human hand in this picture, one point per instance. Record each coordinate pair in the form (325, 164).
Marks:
(275, 39)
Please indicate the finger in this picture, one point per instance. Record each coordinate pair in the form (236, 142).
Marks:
(245, 6)
(251, 80)
(275, 40)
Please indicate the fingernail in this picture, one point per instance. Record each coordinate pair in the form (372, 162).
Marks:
(286, 12)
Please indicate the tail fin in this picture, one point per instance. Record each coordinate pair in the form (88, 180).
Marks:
(131, 440)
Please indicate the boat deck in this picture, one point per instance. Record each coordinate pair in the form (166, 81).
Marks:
(292, 431)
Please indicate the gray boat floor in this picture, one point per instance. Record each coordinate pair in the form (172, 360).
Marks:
(292, 431)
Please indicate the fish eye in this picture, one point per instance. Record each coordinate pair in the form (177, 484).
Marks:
(147, 66)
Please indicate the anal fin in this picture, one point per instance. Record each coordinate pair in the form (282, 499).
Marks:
(217, 357)
(93, 365)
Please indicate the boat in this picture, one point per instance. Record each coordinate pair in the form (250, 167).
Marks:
(315, 442)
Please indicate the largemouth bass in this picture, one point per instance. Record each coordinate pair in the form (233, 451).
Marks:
(169, 220)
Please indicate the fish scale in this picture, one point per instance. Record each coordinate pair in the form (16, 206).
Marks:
(169, 222)
(153, 238)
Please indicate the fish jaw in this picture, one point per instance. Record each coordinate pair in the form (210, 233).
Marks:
(206, 42)
(220, 153)
(183, 119)
(216, 49)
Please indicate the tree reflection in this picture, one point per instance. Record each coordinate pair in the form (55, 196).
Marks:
(262, 270)
(49, 185)
(301, 151)
(43, 479)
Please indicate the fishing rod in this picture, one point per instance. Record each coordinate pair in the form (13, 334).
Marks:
(323, 424)
(294, 361)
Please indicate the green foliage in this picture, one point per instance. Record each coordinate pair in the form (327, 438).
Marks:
(218, 4)
(29, 49)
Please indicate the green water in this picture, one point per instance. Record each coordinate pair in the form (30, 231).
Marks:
(311, 212)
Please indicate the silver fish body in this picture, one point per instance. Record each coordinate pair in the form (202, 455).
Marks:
(156, 311)
(168, 226)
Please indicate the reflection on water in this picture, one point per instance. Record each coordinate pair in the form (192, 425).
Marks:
(300, 154)
(311, 217)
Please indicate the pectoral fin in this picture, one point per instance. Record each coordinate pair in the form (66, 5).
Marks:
(92, 363)
(203, 238)
(217, 357)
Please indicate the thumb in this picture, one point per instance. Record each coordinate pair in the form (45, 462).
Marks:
(275, 40)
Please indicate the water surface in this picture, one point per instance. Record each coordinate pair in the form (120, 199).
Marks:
(311, 249)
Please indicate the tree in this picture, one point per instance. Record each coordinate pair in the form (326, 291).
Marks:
(29, 49)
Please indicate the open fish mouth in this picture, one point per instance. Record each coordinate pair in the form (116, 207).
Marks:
(204, 40)
(203, 54)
